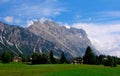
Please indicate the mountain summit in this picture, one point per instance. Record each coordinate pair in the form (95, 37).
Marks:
(44, 37)
(72, 41)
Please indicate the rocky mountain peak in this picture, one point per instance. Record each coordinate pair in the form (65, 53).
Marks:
(73, 41)
(44, 37)
(50, 23)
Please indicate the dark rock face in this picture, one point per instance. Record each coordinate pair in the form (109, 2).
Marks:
(43, 37)
(21, 41)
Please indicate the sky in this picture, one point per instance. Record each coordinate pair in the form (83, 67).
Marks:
(99, 18)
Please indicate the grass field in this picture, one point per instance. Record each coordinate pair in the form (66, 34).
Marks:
(19, 69)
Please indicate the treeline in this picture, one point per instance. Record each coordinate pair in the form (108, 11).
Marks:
(49, 58)
(91, 58)
(35, 58)
(38, 58)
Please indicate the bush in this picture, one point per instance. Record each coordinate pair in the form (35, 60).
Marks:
(25, 58)
(6, 57)
(38, 58)
(110, 61)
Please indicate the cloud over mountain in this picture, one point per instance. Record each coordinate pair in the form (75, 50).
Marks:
(105, 37)
(9, 19)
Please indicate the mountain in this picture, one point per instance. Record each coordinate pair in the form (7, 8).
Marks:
(44, 37)
(21, 41)
(72, 41)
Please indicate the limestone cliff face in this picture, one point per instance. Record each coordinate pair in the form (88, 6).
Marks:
(72, 41)
(21, 41)
(44, 37)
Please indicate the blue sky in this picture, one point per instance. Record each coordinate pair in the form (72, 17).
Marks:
(68, 11)
(99, 18)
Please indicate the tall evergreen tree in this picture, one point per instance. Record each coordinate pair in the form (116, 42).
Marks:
(52, 59)
(89, 57)
(115, 62)
(36, 58)
(63, 58)
(44, 59)
(97, 60)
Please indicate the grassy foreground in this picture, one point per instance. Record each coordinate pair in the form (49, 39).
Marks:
(19, 69)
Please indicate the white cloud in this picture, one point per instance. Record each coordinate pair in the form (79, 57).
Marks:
(42, 20)
(27, 10)
(44, 8)
(29, 22)
(110, 13)
(64, 24)
(106, 16)
(9, 19)
(105, 38)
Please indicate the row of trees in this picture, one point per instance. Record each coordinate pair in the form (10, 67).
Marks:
(91, 58)
(38, 58)
(88, 58)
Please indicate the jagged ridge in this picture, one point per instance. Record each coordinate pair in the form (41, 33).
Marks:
(43, 37)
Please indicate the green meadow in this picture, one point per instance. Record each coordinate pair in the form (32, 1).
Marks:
(20, 69)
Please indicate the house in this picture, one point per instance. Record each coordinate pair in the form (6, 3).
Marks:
(17, 59)
(77, 60)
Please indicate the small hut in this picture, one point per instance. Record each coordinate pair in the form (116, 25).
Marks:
(17, 59)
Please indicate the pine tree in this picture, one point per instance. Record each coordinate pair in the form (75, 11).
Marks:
(52, 59)
(97, 60)
(35, 58)
(89, 57)
(63, 58)
(115, 63)
(44, 59)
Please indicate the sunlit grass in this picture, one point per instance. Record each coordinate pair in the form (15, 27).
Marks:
(20, 69)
